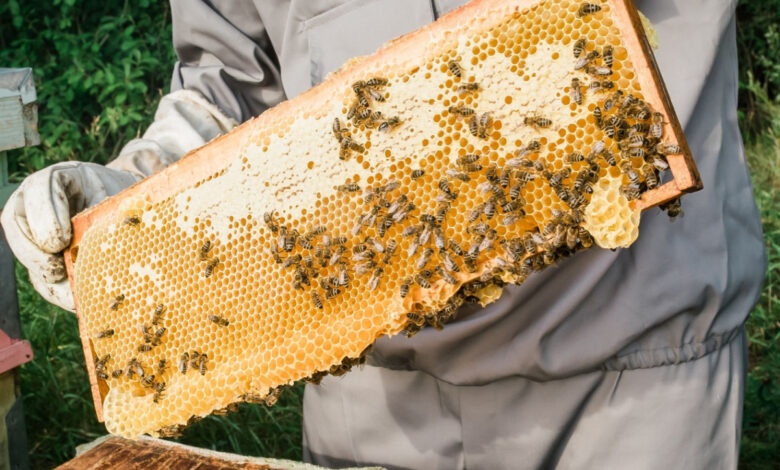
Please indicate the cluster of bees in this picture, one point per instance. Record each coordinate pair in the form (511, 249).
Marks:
(360, 113)
(324, 263)
(152, 336)
(627, 120)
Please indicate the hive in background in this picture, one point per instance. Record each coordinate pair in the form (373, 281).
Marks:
(486, 146)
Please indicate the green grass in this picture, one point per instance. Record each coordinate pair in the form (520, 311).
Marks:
(100, 69)
(761, 431)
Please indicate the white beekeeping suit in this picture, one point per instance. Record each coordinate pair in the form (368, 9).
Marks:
(626, 359)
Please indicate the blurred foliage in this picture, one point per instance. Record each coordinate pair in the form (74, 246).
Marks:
(758, 40)
(100, 69)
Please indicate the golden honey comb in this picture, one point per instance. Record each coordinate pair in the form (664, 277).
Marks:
(462, 144)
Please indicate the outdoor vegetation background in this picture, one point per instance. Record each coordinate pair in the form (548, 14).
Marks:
(100, 69)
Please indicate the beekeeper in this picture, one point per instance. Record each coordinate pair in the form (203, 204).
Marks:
(627, 359)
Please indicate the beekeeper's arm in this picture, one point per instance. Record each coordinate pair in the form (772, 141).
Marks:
(218, 63)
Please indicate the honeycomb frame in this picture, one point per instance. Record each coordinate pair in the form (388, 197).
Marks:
(203, 162)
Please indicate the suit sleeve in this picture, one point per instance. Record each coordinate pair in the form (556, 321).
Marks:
(225, 54)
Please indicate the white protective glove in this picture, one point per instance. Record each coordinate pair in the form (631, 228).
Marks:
(36, 218)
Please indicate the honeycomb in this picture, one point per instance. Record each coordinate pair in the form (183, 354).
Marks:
(412, 181)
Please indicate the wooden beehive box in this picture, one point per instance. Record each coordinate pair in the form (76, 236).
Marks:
(217, 155)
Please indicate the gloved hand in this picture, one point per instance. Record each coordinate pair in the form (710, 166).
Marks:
(36, 218)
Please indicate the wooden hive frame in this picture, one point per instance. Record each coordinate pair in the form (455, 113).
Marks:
(217, 154)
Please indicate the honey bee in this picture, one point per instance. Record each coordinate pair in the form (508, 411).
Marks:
(489, 208)
(628, 101)
(159, 389)
(455, 68)
(376, 82)
(194, 359)
(558, 177)
(585, 237)
(100, 362)
(449, 278)
(673, 208)
(218, 320)
(609, 56)
(171, 431)
(348, 188)
(449, 263)
(441, 213)
(425, 257)
(373, 282)
(471, 167)
(529, 243)
(612, 100)
(132, 220)
(117, 302)
(338, 130)
(603, 85)
(316, 300)
(579, 46)
(651, 178)
(157, 314)
(417, 173)
(405, 285)
(509, 219)
(667, 149)
(598, 70)
(598, 117)
(587, 9)
(457, 174)
(461, 111)
(184, 363)
(576, 92)
(315, 232)
(421, 279)
(515, 190)
(633, 176)
(375, 95)
(576, 200)
(389, 124)
(270, 222)
(105, 333)
(210, 267)
(537, 121)
(660, 164)
(117, 373)
(101, 375)
(454, 247)
(352, 112)
(160, 331)
(162, 366)
(630, 192)
(583, 61)
(473, 126)
(657, 128)
(485, 120)
(575, 157)
(305, 243)
(358, 86)
(362, 99)
(468, 88)
(144, 348)
(467, 159)
(425, 235)
(202, 363)
(562, 193)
